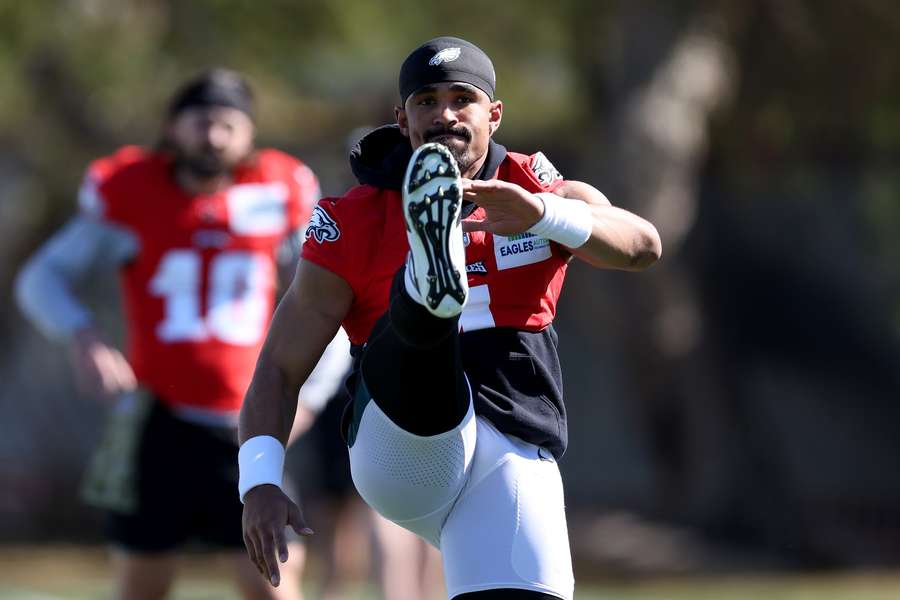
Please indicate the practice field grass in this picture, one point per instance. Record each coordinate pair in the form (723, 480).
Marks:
(75, 573)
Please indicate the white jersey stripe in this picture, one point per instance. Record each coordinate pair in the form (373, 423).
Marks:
(477, 313)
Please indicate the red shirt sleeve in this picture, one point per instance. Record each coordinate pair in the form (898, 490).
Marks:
(535, 172)
(543, 172)
(327, 241)
(94, 199)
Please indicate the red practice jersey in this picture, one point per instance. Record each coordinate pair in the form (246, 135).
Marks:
(513, 281)
(199, 293)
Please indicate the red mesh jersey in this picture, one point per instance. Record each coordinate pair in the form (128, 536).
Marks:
(513, 281)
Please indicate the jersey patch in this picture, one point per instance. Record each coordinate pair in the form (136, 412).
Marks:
(477, 268)
(258, 208)
(322, 226)
(544, 170)
(519, 250)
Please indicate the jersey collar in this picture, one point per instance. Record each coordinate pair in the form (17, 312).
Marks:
(381, 156)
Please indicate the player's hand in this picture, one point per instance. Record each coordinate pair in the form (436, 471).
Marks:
(267, 511)
(509, 208)
(100, 369)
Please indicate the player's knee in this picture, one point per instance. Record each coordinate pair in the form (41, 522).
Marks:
(412, 485)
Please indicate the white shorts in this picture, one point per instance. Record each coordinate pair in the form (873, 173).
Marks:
(490, 502)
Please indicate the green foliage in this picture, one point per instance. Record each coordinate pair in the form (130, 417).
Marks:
(813, 128)
(817, 82)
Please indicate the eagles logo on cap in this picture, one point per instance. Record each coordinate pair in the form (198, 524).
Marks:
(443, 60)
(445, 55)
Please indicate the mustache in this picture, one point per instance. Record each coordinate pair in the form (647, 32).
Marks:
(439, 131)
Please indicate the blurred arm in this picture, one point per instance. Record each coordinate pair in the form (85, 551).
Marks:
(287, 257)
(305, 322)
(44, 292)
(44, 286)
(322, 384)
(328, 376)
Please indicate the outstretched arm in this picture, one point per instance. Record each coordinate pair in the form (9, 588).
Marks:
(612, 238)
(619, 239)
(305, 321)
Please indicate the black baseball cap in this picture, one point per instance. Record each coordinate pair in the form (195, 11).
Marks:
(447, 59)
(215, 87)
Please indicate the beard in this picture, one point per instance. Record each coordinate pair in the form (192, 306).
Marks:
(204, 163)
(456, 140)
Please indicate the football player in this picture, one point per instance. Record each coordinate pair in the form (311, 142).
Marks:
(196, 229)
(444, 266)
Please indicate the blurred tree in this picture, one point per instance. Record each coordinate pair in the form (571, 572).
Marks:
(745, 385)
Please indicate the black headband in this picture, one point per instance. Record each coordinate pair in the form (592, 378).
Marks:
(218, 87)
(447, 59)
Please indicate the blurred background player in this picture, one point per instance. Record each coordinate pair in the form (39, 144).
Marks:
(409, 568)
(197, 229)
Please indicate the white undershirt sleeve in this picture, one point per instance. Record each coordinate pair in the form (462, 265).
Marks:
(44, 286)
(329, 374)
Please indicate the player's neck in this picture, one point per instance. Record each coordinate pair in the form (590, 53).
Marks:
(472, 170)
(193, 183)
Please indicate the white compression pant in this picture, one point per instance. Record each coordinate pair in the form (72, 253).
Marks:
(490, 502)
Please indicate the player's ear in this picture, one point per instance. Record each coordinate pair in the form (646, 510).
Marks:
(495, 115)
(402, 121)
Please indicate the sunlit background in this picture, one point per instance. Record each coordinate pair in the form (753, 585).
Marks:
(734, 411)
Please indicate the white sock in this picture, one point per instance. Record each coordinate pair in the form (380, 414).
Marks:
(410, 283)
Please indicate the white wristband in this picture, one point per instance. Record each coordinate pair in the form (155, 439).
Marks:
(261, 461)
(566, 221)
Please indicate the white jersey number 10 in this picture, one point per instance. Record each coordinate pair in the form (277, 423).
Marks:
(237, 298)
